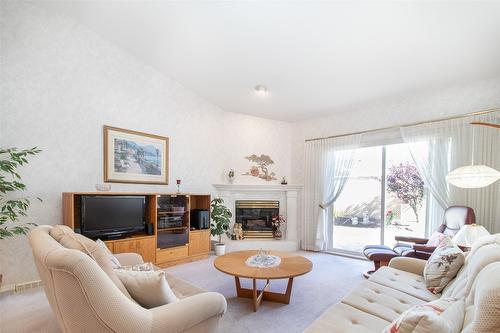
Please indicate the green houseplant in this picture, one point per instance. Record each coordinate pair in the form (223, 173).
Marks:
(221, 216)
(12, 207)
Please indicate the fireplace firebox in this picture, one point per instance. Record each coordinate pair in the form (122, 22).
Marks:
(256, 217)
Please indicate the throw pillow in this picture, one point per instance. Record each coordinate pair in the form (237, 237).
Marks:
(445, 315)
(92, 249)
(443, 265)
(147, 266)
(58, 231)
(114, 262)
(148, 288)
(435, 239)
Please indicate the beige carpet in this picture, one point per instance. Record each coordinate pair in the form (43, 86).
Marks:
(331, 278)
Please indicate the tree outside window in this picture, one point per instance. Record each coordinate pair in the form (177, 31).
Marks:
(405, 183)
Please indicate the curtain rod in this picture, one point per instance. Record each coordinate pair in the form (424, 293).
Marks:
(410, 124)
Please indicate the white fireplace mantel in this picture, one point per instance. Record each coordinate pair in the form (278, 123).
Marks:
(287, 196)
(257, 187)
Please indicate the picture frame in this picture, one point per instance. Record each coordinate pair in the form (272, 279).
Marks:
(135, 157)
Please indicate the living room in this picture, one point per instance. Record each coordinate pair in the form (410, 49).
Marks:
(272, 166)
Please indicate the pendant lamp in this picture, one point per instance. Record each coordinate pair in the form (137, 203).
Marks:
(474, 176)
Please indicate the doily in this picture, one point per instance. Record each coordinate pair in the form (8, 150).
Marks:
(263, 261)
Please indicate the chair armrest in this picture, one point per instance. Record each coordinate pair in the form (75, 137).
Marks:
(129, 259)
(424, 248)
(188, 312)
(411, 239)
(407, 264)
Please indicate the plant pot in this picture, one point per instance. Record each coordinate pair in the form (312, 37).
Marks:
(220, 249)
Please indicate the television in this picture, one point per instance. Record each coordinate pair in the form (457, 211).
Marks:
(106, 216)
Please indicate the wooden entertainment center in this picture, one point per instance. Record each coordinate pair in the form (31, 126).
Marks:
(172, 239)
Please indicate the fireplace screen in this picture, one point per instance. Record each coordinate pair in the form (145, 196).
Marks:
(256, 217)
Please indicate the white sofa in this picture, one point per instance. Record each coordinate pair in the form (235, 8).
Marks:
(391, 290)
(84, 299)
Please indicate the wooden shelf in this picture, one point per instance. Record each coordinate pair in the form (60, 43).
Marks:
(171, 229)
(173, 213)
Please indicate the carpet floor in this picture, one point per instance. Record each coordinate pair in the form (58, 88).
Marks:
(332, 278)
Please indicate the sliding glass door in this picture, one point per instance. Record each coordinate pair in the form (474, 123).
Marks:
(357, 211)
(383, 197)
(405, 199)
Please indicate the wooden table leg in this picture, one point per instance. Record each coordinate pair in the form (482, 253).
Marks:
(288, 292)
(258, 296)
(238, 286)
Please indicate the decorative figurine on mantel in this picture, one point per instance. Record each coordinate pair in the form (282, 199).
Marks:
(283, 181)
(230, 175)
(238, 231)
(277, 222)
(178, 186)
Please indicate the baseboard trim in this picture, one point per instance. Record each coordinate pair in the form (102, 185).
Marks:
(20, 287)
(348, 255)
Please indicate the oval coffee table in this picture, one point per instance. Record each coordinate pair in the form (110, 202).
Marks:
(291, 265)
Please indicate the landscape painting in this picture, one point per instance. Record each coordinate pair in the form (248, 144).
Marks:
(135, 157)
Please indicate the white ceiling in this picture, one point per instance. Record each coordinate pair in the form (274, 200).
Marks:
(314, 57)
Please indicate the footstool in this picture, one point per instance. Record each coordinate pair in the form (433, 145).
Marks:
(381, 255)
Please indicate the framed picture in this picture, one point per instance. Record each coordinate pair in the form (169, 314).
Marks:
(134, 157)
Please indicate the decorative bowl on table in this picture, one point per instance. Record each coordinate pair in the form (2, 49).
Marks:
(263, 259)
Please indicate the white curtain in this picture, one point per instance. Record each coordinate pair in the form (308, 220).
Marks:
(449, 146)
(328, 166)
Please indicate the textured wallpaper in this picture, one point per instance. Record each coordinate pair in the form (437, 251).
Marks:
(60, 83)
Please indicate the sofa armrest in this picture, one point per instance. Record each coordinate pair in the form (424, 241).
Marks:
(424, 248)
(129, 259)
(188, 312)
(407, 264)
(415, 240)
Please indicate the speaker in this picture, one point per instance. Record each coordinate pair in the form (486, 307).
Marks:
(200, 219)
(149, 229)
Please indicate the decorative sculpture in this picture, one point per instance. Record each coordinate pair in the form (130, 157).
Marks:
(238, 231)
(261, 169)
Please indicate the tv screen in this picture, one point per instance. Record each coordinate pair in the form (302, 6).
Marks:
(103, 216)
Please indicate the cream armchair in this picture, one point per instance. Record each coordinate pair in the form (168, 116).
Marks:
(84, 299)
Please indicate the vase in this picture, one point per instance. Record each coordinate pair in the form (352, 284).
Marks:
(277, 234)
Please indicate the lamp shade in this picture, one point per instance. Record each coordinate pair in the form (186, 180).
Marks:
(468, 234)
(473, 176)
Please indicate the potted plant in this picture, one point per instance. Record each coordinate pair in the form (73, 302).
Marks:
(277, 222)
(220, 215)
(12, 208)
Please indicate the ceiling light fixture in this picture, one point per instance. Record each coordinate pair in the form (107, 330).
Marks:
(261, 90)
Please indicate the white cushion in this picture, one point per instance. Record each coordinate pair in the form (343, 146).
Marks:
(444, 315)
(181, 288)
(435, 239)
(443, 265)
(482, 305)
(71, 240)
(147, 266)
(409, 283)
(342, 318)
(380, 301)
(481, 255)
(148, 288)
(114, 262)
